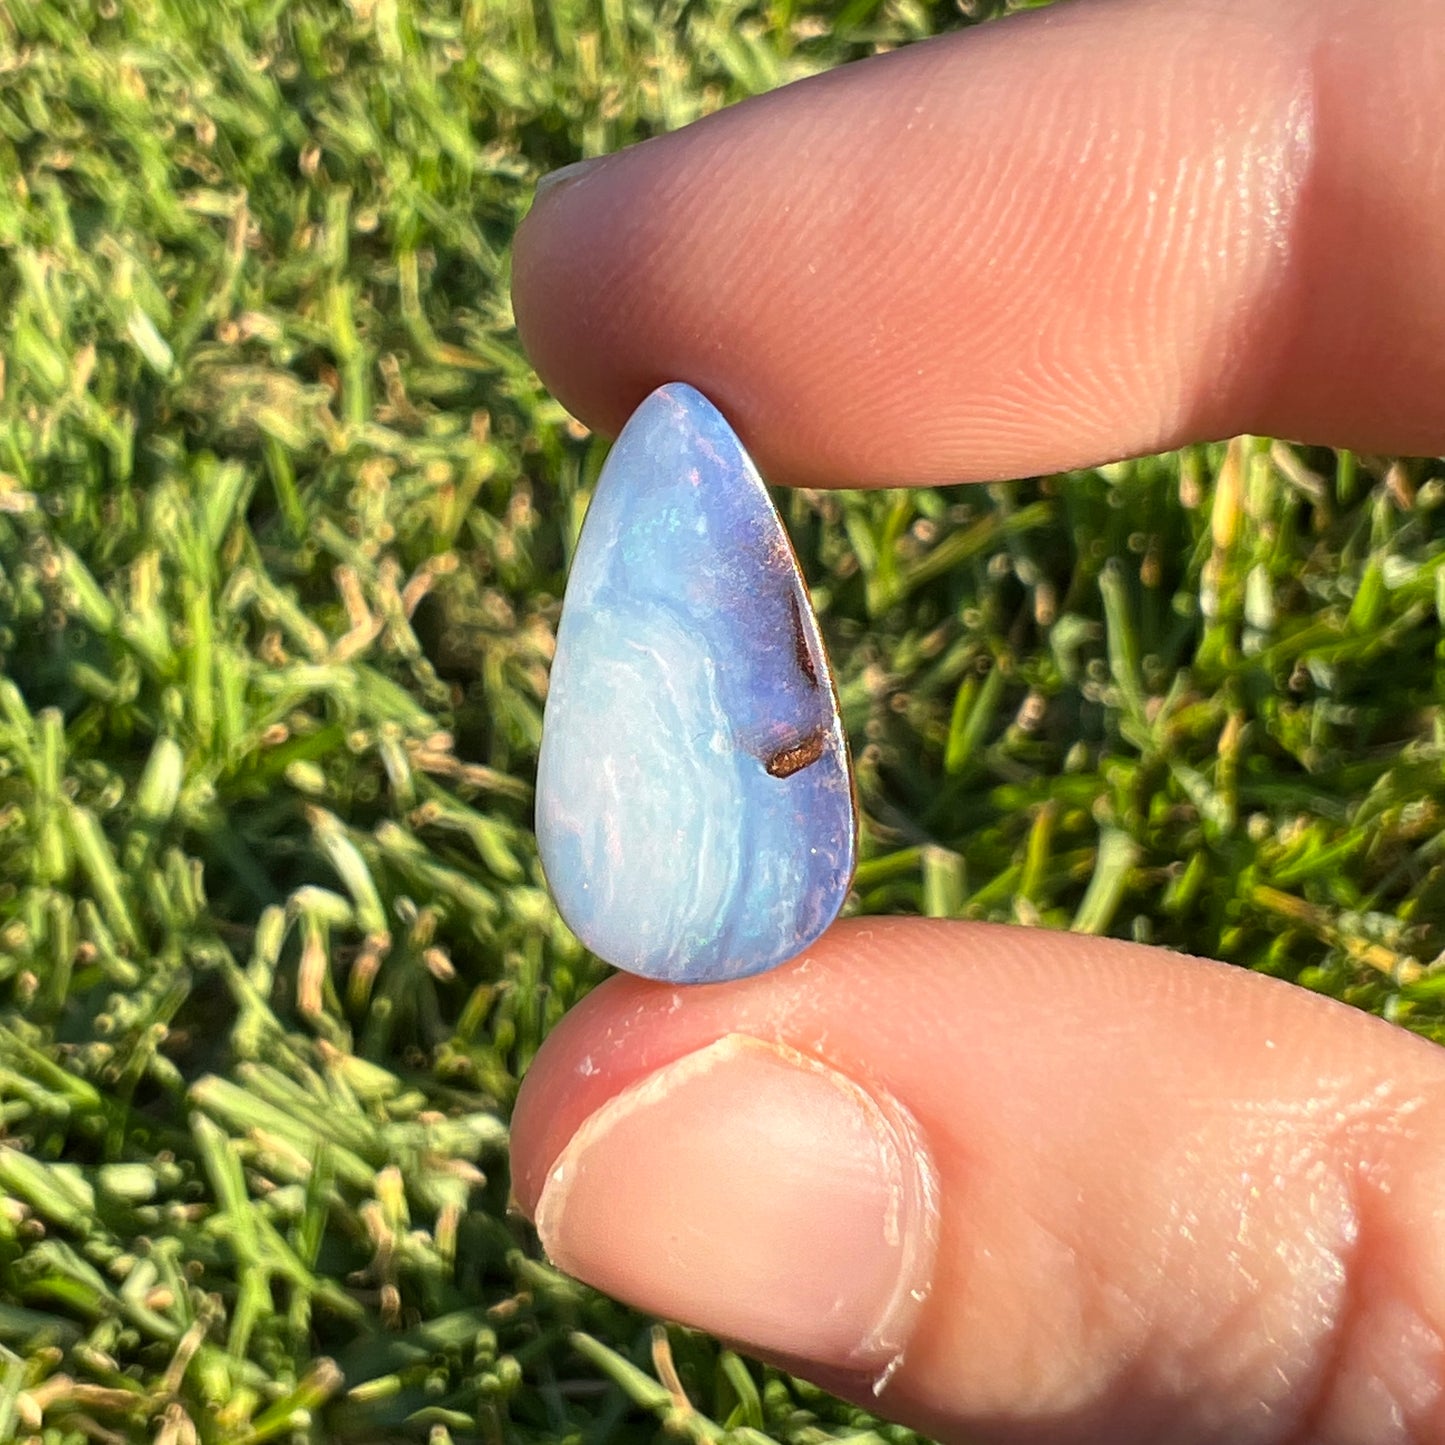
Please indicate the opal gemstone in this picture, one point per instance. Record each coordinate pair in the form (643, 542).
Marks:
(695, 810)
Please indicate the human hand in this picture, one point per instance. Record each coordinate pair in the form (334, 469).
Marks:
(1031, 1186)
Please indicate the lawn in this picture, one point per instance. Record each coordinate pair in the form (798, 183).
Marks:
(284, 517)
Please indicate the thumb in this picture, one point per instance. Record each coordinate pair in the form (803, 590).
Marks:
(1015, 1185)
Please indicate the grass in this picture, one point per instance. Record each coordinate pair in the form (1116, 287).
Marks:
(283, 521)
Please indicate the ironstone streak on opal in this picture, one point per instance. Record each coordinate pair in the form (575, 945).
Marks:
(695, 810)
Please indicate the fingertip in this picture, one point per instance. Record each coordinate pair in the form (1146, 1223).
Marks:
(550, 318)
(795, 1209)
(578, 1069)
(610, 287)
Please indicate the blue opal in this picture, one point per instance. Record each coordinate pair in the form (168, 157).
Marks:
(695, 809)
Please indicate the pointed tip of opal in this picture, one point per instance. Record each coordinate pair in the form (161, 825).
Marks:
(695, 811)
(679, 391)
(687, 407)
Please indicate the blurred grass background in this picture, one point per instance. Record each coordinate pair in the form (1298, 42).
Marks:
(284, 518)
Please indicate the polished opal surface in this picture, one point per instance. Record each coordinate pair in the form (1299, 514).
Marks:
(695, 809)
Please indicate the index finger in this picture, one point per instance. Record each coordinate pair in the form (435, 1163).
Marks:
(1083, 233)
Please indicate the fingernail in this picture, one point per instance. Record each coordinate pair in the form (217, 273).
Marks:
(756, 1193)
(563, 176)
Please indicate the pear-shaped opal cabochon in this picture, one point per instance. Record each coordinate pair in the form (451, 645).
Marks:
(695, 810)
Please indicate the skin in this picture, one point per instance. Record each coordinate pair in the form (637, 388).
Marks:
(1142, 1197)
